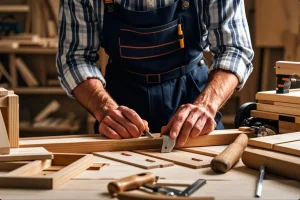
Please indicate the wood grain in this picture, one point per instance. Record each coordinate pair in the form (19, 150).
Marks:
(22, 154)
(134, 159)
(182, 158)
(292, 97)
(98, 144)
(4, 143)
(275, 162)
(289, 148)
(272, 115)
(269, 141)
(278, 109)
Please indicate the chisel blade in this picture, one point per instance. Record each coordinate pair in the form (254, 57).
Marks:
(168, 144)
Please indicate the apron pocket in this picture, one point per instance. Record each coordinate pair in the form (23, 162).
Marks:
(143, 43)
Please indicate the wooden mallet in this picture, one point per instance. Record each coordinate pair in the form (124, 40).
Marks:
(229, 157)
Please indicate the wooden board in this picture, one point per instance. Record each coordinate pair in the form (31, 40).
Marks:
(186, 159)
(25, 176)
(277, 109)
(12, 122)
(289, 126)
(292, 97)
(275, 162)
(269, 141)
(275, 116)
(289, 148)
(4, 143)
(134, 159)
(201, 151)
(21, 154)
(98, 144)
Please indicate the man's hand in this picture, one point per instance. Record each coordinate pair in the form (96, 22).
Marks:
(122, 122)
(190, 121)
(196, 119)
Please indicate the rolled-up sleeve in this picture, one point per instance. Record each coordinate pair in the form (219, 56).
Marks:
(79, 42)
(229, 38)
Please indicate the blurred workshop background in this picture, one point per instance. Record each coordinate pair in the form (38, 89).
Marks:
(28, 46)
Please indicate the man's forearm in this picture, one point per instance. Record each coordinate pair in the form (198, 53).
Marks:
(92, 95)
(220, 87)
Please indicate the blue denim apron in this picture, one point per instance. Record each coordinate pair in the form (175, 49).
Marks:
(154, 59)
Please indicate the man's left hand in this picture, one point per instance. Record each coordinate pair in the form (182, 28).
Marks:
(190, 121)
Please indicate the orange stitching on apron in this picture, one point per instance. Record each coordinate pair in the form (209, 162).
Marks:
(149, 47)
(137, 58)
(147, 32)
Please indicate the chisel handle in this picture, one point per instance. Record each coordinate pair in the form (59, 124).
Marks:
(130, 182)
(227, 158)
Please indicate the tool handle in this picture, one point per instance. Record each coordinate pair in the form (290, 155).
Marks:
(130, 182)
(227, 158)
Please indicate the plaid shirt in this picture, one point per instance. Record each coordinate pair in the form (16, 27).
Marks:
(223, 23)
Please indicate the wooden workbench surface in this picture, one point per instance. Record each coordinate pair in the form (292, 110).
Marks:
(238, 183)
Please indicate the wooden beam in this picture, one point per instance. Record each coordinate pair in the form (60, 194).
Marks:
(277, 163)
(98, 144)
(14, 8)
(292, 97)
(277, 109)
(22, 154)
(289, 148)
(274, 116)
(31, 168)
(269, 141)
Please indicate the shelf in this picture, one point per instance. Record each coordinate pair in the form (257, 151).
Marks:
(39, 90)
(30, 128)
(14, 8)
(29, 50)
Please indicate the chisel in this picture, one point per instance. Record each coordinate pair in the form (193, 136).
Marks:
(260, 181)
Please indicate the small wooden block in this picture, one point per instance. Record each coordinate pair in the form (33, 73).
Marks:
(289, 148)
(134, 159)
(22, 154)
(186, 159)
(4, 143)
(3, 92)
(269, 141)
(244, 128)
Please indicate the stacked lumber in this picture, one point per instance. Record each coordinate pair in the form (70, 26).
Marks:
(285, 108)
(279, 153)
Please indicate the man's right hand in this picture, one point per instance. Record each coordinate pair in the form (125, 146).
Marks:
(122, 122)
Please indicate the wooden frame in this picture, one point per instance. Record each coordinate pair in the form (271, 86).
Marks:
(9, 105)
(88, 144)
(29, 175)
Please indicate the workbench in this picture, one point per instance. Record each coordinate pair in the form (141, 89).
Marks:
(238, 183)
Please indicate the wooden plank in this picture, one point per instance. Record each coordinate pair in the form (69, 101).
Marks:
(292, 97)
(186, 159)
(71, 171)
(274, 116)
(13, 70)
(269, 141)
(277, 109)
(27, 75)
(97, 144)
(13, 120)
(135, 159)
(4, 143)
(289, 148)
(287, 67)
(5, 73)
(9, 166)
(21, 154)
(201, 150)
(288, 105)
(289, 126)
(64, 159)
(14, 8)
(31, 168)
(275, 162)
(50, 108)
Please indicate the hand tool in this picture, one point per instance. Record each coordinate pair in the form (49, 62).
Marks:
(135, 196)
(168, 142)
(227, 158)
(260, 181)
(147, 180)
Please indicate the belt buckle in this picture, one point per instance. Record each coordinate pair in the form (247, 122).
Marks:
(153, 75)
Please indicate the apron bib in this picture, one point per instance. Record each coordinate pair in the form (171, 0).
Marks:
(154, 59)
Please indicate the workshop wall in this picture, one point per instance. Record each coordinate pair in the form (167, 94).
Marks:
(29, 60)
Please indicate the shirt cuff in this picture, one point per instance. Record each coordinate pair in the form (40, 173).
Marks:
(73, 76)
(235, 64)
